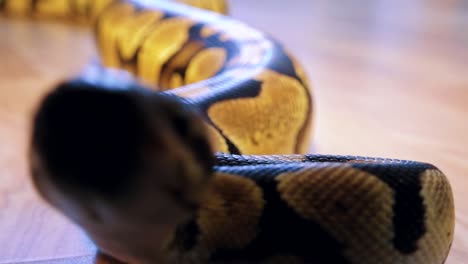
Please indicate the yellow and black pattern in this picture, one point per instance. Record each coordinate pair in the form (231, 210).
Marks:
(218, 64)
(253, 98)
(333, 209)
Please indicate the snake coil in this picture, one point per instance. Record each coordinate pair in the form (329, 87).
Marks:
(135, 167)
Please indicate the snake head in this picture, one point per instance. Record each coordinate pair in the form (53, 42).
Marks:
(128, 166)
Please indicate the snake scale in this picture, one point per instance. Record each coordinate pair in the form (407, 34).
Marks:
(134, 167)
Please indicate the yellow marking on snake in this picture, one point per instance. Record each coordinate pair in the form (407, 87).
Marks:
(207, 32)
(356, 208)
(53, 8)
(205, 65)
(440, 217)
(253, 128)
(169, 77)
(161, 44)
(107, 38)
(19, 7)
(217, 141)
(217, 6)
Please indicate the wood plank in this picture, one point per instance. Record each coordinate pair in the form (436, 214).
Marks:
(389, 77)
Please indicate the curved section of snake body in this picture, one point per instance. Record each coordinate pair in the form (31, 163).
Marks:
(135, 168)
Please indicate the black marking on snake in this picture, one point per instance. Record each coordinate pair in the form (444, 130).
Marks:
(181, 70)
(138, 8)
(168, 15)
(214, 41)
(195, 31)
(74, 7)
(409, 210)
(249, 89)
(231, 47)
(328, 158)
(185, 237)
(281, 63)
(132, 62)
(281, 230)
(2, 4)
(353, 159)
(232, 148)
(244, 89)
(34, 4)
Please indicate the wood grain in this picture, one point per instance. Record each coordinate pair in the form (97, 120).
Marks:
(390, 80)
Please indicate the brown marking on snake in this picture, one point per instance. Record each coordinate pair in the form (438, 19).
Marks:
(177, 65)
(229, 215)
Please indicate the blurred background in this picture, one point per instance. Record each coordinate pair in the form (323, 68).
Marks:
(390, 79)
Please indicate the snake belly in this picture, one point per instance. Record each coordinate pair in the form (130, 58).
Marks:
(255, 101)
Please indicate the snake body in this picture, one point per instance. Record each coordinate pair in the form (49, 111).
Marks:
(135, 167)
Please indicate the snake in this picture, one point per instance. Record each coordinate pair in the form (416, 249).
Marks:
(186, 142)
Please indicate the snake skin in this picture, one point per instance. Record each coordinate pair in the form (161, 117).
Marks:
(249, 204)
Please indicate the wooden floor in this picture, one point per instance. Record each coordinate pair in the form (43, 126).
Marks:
(390, 77)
